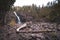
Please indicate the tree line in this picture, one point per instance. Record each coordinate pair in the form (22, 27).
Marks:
(51, 12)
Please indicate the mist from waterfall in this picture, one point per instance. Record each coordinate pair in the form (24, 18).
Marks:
(19, 22)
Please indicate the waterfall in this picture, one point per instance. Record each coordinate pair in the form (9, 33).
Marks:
(19, 22)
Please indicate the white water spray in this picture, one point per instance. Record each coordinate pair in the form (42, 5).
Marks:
(19, 22)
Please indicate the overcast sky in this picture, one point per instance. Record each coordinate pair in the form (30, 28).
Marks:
(30, 2)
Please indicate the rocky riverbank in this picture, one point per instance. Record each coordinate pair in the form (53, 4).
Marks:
(10, 33)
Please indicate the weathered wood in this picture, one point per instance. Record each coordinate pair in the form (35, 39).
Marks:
(34, 31)
(22, 26)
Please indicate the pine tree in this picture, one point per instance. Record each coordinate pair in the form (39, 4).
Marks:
(5, 6)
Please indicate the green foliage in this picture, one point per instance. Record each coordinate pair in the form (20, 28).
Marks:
(55, 13)
(33, 11)
(6, 4)
(51, 11)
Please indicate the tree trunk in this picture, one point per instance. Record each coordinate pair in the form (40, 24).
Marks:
(2, 18)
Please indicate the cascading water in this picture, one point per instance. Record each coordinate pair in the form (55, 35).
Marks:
(19, 22)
